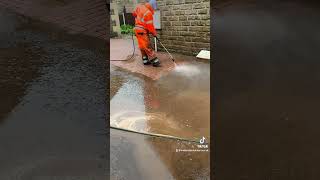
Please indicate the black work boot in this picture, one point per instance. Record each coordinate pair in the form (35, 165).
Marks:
(155, 62)
(145, 60)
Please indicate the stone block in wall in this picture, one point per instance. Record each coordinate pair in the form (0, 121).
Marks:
(170, 28)
(197, 23)
(188, 38)
(173, 18)
(176, 23)
(193, 17)
(203, 11)
(178, 2)
(182, 18)
(201, 34)
(173, 38)
(200, 39)
(187, 33)
(198, 6)
(178, 42)
(195, 28)
(166, 23)
(185, 23)
(166, 33)
(189, 1)
(191, 12)
(175, 33)
(169, 2)
(185, 7)
(205, 29)
(168, 13)
(205, 17)
(177, 13)
(176, 8)
(180, 28)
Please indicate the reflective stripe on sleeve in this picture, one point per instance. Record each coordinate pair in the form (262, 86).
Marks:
(146, 13)
(149, 22)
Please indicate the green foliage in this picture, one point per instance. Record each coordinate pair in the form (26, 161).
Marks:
(126, 29)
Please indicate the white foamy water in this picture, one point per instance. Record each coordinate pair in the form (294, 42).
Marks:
(141, 121)
(187, 70)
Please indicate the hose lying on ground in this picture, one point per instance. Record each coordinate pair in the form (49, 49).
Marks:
(155, 135)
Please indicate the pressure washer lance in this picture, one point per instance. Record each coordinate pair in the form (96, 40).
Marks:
(156, 135)
(165, 48)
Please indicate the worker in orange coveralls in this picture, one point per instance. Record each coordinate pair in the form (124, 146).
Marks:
(143, 14)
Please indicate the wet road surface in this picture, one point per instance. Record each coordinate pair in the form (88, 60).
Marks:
(266, 84)
(52, 89)
(177, 104)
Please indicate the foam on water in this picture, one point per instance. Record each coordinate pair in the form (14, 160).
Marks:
(187, 70)
(141, 121)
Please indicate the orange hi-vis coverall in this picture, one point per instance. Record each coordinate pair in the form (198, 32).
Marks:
(143, 14)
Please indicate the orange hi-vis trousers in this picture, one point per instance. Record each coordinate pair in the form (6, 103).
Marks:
(144, 43)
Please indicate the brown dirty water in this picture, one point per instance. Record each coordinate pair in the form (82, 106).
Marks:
(121, 52)
(177, 104)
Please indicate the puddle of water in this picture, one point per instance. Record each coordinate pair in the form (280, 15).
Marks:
(174, 105)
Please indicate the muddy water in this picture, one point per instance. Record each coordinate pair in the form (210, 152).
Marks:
(177, 104)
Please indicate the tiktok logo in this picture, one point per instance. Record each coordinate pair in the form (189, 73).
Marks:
(202, 140)
(203, 144)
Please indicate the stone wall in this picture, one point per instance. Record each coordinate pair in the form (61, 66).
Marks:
(114, 20)
(185, 25)
(129, 4)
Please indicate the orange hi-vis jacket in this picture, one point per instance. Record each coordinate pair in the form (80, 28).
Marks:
(143, 14)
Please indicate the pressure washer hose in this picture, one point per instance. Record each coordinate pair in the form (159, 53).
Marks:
(156, 135)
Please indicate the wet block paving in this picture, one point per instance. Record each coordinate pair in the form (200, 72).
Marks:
(82, 16)
(121, 56)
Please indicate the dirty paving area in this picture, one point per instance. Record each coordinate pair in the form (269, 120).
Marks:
(177, 104)
(52, 89)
